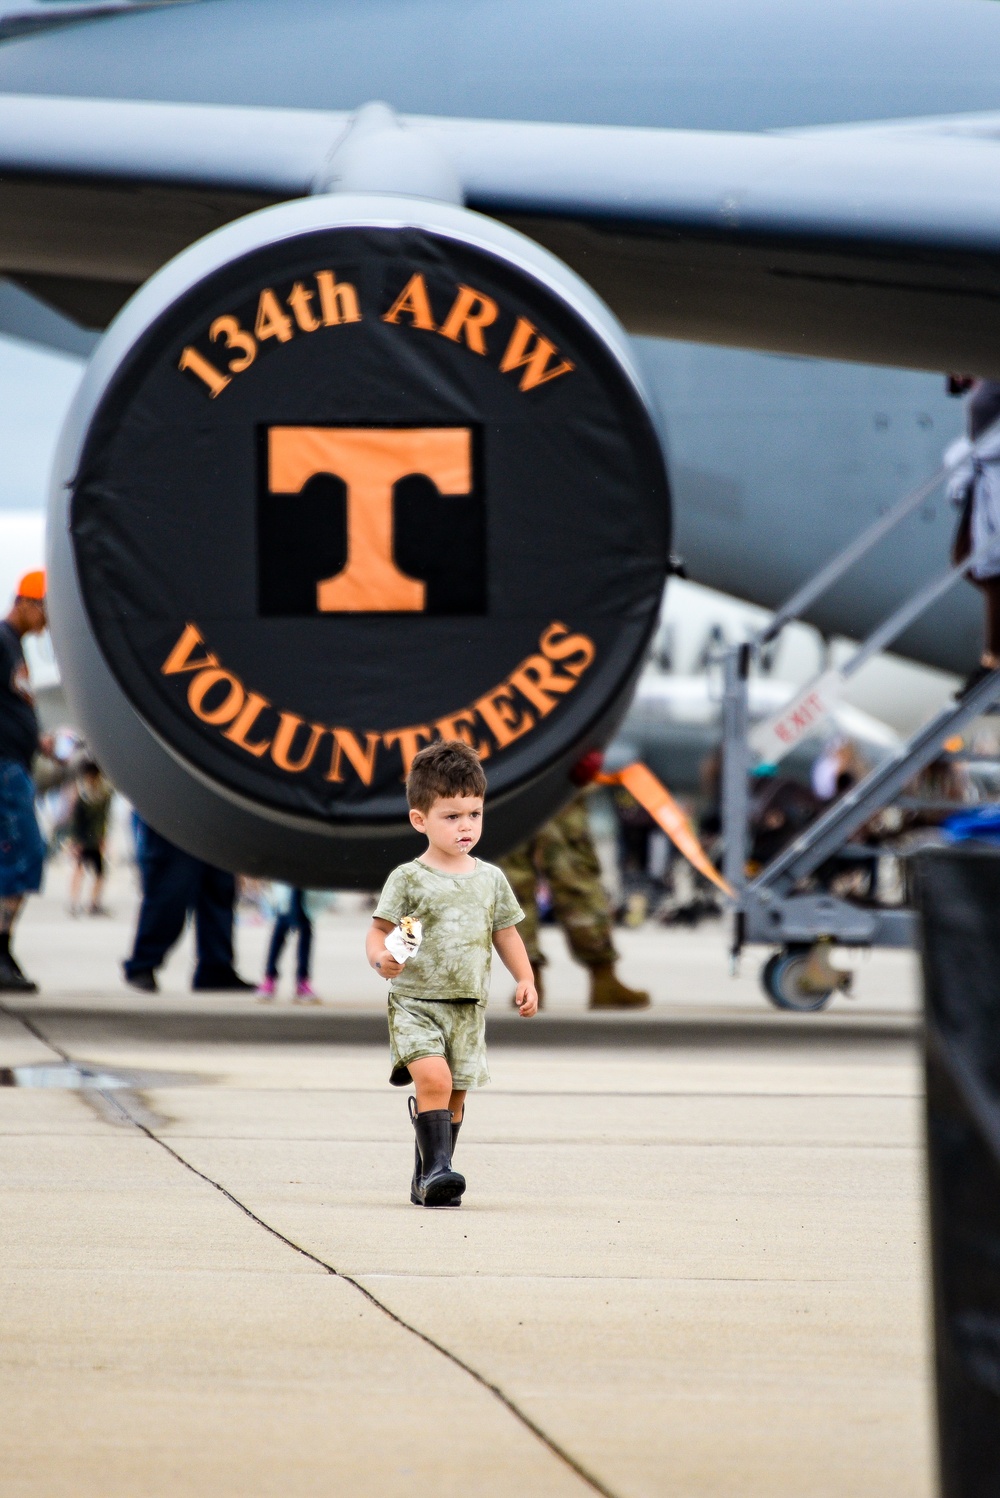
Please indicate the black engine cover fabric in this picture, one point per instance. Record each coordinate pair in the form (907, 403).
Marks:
(177, 522)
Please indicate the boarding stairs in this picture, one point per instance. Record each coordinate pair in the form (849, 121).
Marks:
(770, 906)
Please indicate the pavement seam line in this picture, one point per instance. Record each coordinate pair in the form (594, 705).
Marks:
(32, 1028)
(550, 1444)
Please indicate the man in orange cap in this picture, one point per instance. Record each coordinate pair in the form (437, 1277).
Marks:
(22, 848)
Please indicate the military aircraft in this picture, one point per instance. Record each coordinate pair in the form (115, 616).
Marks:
(703, 168)
(813, 187)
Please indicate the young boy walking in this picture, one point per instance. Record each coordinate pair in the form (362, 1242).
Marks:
(437, 997)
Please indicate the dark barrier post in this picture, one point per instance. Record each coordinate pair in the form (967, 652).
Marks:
(958, 893)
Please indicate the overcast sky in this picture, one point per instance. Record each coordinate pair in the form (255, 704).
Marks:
(36, 387)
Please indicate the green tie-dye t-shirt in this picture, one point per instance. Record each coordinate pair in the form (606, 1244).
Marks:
(459, 914)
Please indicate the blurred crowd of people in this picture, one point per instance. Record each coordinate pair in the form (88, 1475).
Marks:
(601, 861)
(558, 870)
(56, 775)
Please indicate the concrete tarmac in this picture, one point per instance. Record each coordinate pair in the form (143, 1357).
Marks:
(691, 1258)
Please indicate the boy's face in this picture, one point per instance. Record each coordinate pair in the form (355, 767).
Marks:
(453, 825)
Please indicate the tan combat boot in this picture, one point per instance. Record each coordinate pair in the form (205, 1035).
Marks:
(608, 992)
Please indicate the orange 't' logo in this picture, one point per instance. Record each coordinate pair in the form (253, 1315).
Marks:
(370, 461)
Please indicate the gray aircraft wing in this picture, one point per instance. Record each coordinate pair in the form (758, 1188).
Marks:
(877, 243)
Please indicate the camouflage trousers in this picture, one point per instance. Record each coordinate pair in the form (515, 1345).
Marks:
(562, 853)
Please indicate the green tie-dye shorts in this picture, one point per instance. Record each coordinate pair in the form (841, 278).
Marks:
(431, 1027)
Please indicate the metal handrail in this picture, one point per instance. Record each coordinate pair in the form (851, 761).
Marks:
(851, 810)
(844, 560)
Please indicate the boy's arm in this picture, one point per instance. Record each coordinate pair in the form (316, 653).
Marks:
(382, 961)
(514, 956)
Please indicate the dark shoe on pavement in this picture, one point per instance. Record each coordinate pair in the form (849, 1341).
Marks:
(144, 980)
(222, 982)
(608, 992)
(11, 961)
(435, 1183)
(12, 980)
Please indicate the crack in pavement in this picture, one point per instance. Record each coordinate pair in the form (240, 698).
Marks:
(117, 1105)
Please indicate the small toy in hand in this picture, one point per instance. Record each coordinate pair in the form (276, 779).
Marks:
(404, 941)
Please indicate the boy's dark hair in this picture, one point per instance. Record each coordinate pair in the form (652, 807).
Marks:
(446, 768)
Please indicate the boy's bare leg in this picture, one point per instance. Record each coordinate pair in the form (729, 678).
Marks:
(432, 1080)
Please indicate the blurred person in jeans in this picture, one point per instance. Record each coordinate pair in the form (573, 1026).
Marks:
(293, 914)
(174, 884)
(22, 848)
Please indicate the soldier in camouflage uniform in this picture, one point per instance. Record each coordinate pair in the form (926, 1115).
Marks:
(563, 854)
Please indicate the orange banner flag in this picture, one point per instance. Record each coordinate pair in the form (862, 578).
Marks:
(653, 796)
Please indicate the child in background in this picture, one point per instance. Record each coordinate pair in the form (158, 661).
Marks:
(293, 914)
(87, 831)
(437, 998)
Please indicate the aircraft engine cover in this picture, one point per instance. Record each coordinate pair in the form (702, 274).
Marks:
(347, 475)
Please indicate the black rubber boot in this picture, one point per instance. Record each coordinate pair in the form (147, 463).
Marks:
(434, 1182)
(418, 1166)
(415, 1197)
